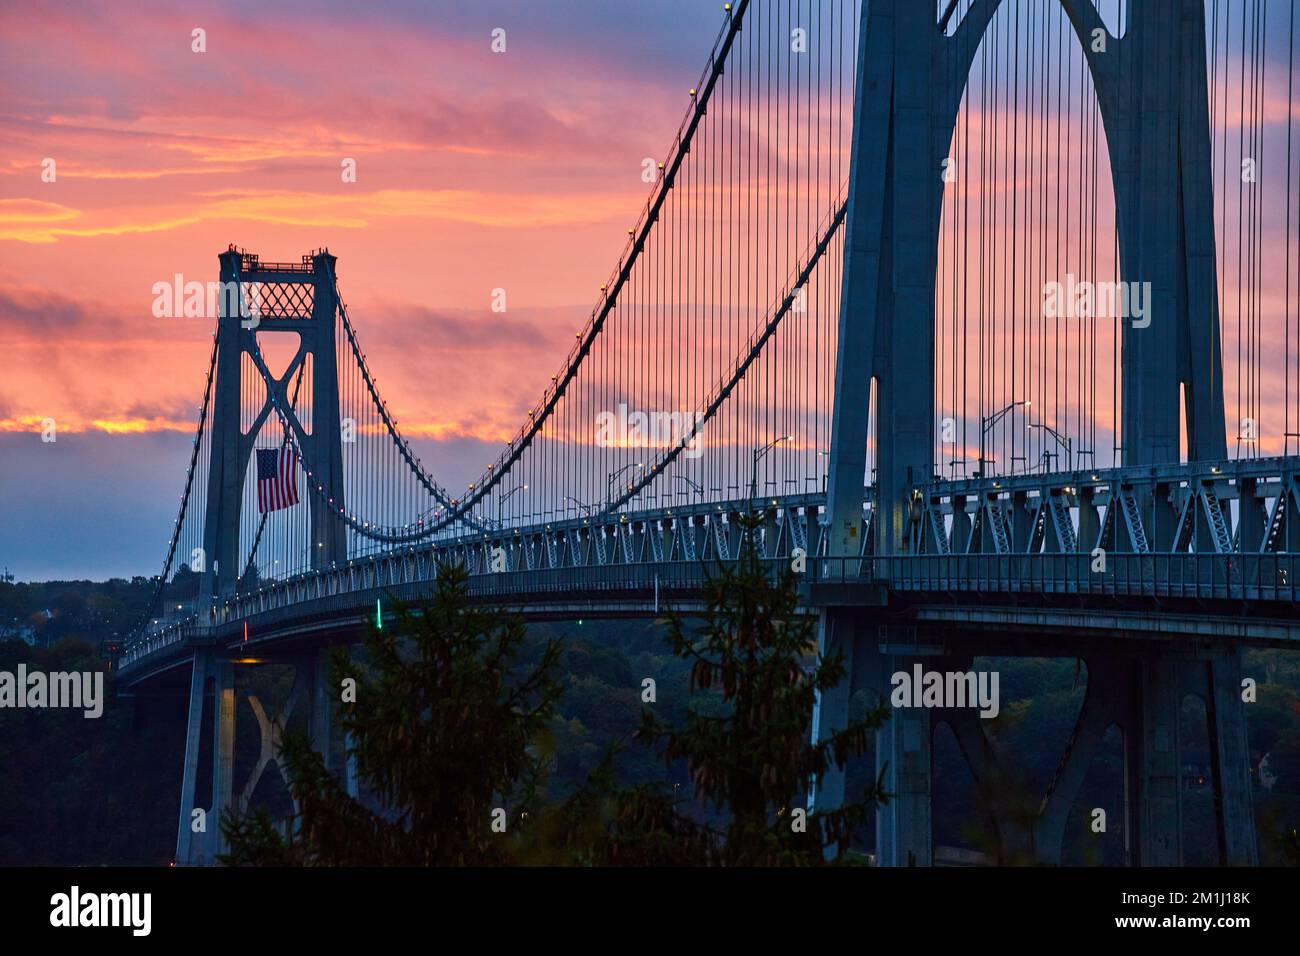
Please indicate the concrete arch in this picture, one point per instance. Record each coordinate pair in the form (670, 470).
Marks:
(1159, 136)
(1151, 86)
(1044, 154)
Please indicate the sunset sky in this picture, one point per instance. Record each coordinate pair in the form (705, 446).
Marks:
(475, 171)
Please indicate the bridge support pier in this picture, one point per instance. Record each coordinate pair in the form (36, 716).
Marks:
(322, 723)
(904, 756)
(223, 750)
(903, 752)
(212, 669)
(836, 634)
(1153, 765)
(1144, 698)
(993, 776)
(321, 709)
(1230, 758)
(1106, 702)
(190, 848)
(199, 847)
(1139, 691)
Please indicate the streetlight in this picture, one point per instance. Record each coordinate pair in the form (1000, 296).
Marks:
(759, 454)
(582, 505)
(826, 473)
(693, 485)
(988, 422)
(504, 498)
(1066, 443)
(609, 480)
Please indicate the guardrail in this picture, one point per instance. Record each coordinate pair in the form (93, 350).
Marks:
(397, 572)
(154, 641)
(649, 578)
(1253, 577)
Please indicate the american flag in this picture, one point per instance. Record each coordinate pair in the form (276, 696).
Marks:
(277, 478)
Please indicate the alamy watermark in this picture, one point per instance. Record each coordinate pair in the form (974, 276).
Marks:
(83, 690)
(211, 300)
(946, 689)
(624, 429)
(1084, 299)
(75, 908)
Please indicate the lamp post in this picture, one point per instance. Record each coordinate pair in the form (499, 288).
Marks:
(759, 454)
(502, 502)
(826, 473)
(693, 485)
(987, 422)
(609, 480)
(582, 505)
(1066, 443)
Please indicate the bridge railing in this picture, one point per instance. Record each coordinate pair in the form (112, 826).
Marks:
(1255, 577)
(579, 581)
(151, 643)
(583, 582)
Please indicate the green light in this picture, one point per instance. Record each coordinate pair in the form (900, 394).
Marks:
(379, 616)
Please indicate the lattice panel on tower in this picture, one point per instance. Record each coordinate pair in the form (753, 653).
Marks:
(280, 300)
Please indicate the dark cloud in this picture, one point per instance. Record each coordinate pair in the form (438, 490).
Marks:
(463, 330)
(41, 313)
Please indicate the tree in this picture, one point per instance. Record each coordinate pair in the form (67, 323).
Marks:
(444, 730)
(752, 758)
(445, 733)
(77, 791)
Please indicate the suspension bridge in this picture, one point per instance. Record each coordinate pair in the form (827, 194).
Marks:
(989, 310)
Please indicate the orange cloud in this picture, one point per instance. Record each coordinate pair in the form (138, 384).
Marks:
(124, 426)
(32, 221)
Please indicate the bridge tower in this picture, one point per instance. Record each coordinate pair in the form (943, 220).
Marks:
(297, 298)
(1152, 90)
(278, 298)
